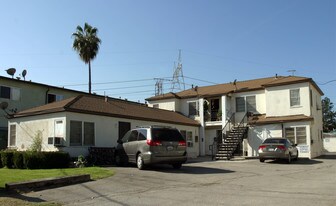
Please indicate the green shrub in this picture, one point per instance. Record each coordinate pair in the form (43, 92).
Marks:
(7, 158)
(1, 166)
(18, 160)
(46, 160)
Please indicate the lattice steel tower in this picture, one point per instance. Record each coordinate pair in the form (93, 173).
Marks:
(178, 79)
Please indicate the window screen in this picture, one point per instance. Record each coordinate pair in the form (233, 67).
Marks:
(240, 104)
(251, 103)
(294, 97)
(12, 136)
(193, 108)
(75, 133)
(301, 135)
(89, 133)
(289, 133)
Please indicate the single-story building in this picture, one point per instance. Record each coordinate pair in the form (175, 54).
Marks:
(75, 124)
(329, 142)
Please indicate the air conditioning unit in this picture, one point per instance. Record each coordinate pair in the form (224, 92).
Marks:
(58, 141)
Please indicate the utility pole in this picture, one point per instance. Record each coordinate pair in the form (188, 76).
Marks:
(158, 86)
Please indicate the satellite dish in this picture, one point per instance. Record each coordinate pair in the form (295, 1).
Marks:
(11, 71)
(24, 73)
(3, 105)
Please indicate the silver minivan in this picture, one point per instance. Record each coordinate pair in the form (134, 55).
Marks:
(152, 145)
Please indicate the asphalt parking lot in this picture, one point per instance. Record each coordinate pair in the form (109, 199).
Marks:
(205, 182)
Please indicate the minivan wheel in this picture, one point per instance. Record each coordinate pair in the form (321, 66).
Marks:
(140, 163)
(177, 165)
(118, 160)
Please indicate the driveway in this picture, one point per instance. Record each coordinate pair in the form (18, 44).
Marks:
(247, 182)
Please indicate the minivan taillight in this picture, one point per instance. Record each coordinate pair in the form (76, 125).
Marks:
(154, 142)
(182, 143)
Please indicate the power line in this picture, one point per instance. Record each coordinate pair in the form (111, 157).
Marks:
(200, 80)
(327, 82)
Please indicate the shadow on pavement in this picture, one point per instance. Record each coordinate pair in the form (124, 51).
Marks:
(188, 169)
(300, 161)
(16, 195)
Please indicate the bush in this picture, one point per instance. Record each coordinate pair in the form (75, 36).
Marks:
(46, 160)
(1, 166)
(18, 160)
(7, 158)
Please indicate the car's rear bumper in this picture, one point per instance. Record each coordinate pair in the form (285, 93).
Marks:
(150, 158)
(273, 155)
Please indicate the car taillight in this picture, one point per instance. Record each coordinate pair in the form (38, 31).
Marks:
(154, 142)
(262, 147)
(182, 143)
(281, 147)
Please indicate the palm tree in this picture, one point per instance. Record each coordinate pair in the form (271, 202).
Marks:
(86, 43)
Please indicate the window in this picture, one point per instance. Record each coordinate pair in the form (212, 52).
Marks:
(155, 105)
(189, 139)
(89, 133)
(251, 103)
(133, 136)
(193, 108)
(184, 134)
(294, 97)
(244, 104)
(54, 98)
(12, 135)
(9, 93)
(240, 104)
(75, 133)
(82, 133)
(59, 129)
(296, 135)
(142, 134)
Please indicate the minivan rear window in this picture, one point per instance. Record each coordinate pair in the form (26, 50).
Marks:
(166, 134)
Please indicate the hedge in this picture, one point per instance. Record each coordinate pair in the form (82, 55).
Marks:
(7, 158)
(34, 160)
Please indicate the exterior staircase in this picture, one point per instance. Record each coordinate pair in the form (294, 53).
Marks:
(230, 143)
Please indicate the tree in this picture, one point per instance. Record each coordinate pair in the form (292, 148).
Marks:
(329, 116)
(86, 43)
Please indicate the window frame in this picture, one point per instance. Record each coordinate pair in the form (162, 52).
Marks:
(57, 97)
(294, 101)
(296, 136)
(11, 142)
(196, 108)
(82, 142)
(244, 100)
(13, 93)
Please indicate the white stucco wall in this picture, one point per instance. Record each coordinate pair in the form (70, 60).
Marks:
(167, 104)
(106, 131)
(329, 143)
(27, 128)
(278, 100)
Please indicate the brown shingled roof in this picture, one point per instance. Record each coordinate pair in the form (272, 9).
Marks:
(262, 119)
(239, 86)
(111, 107)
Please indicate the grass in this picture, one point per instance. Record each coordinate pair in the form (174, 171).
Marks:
(19, 175)
(8, 201)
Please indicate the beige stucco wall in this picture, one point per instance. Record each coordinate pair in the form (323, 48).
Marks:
(31, 95)
(278, 100)
(168, 104)
(329, 143)
(106, 131)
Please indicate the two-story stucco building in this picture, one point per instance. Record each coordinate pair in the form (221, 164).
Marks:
(269, 107)
(21, 95)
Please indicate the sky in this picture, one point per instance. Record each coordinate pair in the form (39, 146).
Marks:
(220, 41)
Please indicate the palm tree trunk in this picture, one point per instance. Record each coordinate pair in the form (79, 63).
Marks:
(89, 77)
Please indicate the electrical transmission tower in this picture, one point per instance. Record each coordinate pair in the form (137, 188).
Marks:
(178, 79)
(158, 86)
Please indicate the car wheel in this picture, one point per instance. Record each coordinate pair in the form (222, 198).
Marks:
(140, 163)
(261, 160)
(177, 165)
(289, 160)
(297, 156)
(118, 160)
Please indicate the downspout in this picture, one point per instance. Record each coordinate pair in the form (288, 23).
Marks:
(46, 96)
